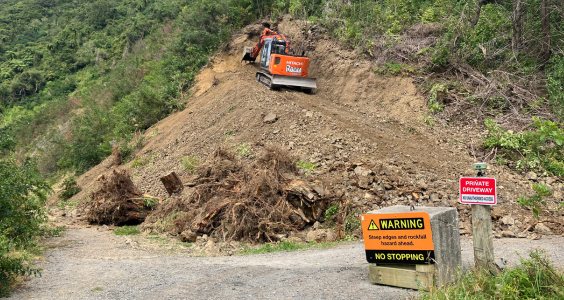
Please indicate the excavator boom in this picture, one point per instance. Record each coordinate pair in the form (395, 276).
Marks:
(251, 53)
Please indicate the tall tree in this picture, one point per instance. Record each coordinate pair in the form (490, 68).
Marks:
(517, 24)
(545, 24)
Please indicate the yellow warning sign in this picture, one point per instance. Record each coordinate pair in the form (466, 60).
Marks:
(373, 226)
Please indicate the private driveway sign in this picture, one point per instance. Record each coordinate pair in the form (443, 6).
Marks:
(478, 190)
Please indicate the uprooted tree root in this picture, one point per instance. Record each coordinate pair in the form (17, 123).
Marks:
(233, 200)
(116, 202)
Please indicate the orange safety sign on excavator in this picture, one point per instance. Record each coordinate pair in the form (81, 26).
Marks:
(398, 238)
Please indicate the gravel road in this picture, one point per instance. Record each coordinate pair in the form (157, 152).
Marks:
(92, 264)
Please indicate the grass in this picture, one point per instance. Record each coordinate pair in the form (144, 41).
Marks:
(244, 150)
(63, 204)
(534, 278)
(140, 161)
(190, 163)
(284, 246)
(54, 231)
(127, 230)
(98, 289)
(307, 166)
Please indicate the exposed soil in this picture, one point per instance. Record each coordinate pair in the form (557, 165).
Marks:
(366, 133)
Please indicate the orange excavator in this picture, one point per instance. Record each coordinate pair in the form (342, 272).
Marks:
(284, 62)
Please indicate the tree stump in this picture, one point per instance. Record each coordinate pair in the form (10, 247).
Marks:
(118, 160)
(172, 183)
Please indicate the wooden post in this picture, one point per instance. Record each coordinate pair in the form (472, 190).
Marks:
(483, 237)
(172, 183)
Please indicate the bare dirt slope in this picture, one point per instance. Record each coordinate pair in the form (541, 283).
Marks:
(355, 117)
(95, 264)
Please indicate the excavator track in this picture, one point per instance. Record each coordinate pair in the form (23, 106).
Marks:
(265, 80)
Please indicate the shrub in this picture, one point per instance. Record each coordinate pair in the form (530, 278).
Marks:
(331, 211)
(22, 196)
(555, 85)
(537, 200)
(534, 278)
(70, 188)
(531, 150)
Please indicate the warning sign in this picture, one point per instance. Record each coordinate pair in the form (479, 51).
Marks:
(372, 226)
(479, 190)
(398, 238)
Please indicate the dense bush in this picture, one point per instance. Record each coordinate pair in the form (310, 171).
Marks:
(22, 196)
(540, 150)
(555, 86)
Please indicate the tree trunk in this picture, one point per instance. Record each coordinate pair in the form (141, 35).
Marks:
(172, 183)
(476, 18)
(545, 23)
(517, 24)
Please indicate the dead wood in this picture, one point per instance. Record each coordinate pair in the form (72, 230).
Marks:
(172, 183)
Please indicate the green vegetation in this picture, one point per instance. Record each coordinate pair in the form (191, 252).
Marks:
(98, 289)
(394, 68)
(540, 150)
(22, 196)
(352, 223)
(331, 211)
(244, 150)
(150, 202)
(190, 163)
(76, 77)
(127, 230)
(140, 161)
(70, 188)
(54, 231)
(285, 246)
(555, 86)
(307, 166)
(433, 104)
(537, 200)
(534, 278)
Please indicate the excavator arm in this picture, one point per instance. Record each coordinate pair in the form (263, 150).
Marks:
(251, 54)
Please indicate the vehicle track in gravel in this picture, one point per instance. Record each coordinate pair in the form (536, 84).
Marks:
(91, 263)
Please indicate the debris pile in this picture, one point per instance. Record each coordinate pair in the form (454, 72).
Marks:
(235, 200)
(116, 202)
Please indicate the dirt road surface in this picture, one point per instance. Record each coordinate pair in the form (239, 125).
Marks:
(92, 264)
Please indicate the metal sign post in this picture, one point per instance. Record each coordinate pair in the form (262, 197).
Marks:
(480, 192)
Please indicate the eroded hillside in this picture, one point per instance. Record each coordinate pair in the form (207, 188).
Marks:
(367, 135)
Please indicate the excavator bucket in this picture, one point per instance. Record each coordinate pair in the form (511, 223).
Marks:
(247, 55)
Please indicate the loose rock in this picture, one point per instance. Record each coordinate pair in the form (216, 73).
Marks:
(542, 229)
(270, 118)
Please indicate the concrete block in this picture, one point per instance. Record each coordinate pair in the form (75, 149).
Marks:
(446, 239)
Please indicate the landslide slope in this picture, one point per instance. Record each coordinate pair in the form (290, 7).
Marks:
(354, 117)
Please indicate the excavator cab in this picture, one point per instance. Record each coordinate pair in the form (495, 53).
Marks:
(265, 57)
